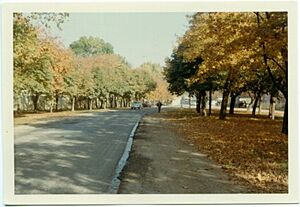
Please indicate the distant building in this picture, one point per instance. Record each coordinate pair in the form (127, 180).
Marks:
(242, 101)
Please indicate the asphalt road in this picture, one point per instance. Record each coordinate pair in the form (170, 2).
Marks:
(73, 155)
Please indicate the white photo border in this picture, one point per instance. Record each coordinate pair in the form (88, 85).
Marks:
(204, 6)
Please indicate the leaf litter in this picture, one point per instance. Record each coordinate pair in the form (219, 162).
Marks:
(252, 150)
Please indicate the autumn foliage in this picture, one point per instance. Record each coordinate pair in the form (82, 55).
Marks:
(85, 76)
(232, 52)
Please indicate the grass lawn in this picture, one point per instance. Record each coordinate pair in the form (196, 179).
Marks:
(252, 150)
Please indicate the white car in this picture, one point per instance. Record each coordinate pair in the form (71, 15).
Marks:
(136, 105)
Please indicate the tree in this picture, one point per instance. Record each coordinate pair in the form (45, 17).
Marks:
(32, 62)
(43, 67)
(243, 50)
(47, 19)
(161, 92)
(217, 38)
(89, 46)
(272, 37)
(178, 71)
(72, 80)
(112, 81)
(143, 84)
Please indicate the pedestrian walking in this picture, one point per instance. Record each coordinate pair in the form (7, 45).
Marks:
(159, 104)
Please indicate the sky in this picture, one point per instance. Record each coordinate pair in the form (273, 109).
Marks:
(139, 37)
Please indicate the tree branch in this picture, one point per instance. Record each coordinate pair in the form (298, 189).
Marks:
(283, 70)
(272, 76)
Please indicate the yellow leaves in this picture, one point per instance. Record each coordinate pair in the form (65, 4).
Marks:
(219, 38)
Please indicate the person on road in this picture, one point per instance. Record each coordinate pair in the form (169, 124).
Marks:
(159, 104)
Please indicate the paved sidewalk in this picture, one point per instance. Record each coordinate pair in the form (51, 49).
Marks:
(162, 162)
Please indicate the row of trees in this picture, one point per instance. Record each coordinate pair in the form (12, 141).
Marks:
(88, 74)
(234, 52)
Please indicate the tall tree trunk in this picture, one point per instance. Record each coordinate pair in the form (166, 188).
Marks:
(259, 106)
(203, 103)
(18, 104)
(101, 103)
(35, 99)
(209, 102)
(110, 101)
(78, 103)
(51, 104)
(272, 107)
(251, 102)
(224, 105)
(115, 101)
(73, 103)
(51, 108)
(90, 103)
(255, 104)
(285, 118)
(97, 103)
(56, 101)
(190, 101)
(232, 103)
(106, 101)
(224, 100)
(198, 103)
(128, 102)
(285, 115)
(87, 101)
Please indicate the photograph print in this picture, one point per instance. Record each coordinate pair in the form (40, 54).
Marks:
(108, 103)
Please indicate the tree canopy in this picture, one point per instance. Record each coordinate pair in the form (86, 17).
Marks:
(241, 51)
(88, 73)
(89, 46)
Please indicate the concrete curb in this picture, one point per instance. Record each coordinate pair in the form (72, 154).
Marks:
(115, 183)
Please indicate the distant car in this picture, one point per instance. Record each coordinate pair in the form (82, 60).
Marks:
(136, 105)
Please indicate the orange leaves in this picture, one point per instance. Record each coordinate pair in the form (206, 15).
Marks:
(60, 59)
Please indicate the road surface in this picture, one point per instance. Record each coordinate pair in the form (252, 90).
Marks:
(73, 155)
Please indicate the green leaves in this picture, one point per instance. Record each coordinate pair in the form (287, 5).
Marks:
(89, 46)
(31, 64)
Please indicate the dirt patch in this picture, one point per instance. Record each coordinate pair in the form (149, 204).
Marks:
(163, 162)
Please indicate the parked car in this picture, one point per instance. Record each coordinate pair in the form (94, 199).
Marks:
(136, 105)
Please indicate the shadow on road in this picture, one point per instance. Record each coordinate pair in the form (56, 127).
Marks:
(73, 155)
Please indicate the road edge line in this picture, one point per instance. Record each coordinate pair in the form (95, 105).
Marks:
(115, 183)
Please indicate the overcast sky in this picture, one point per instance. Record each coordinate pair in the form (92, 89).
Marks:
(139, 37)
